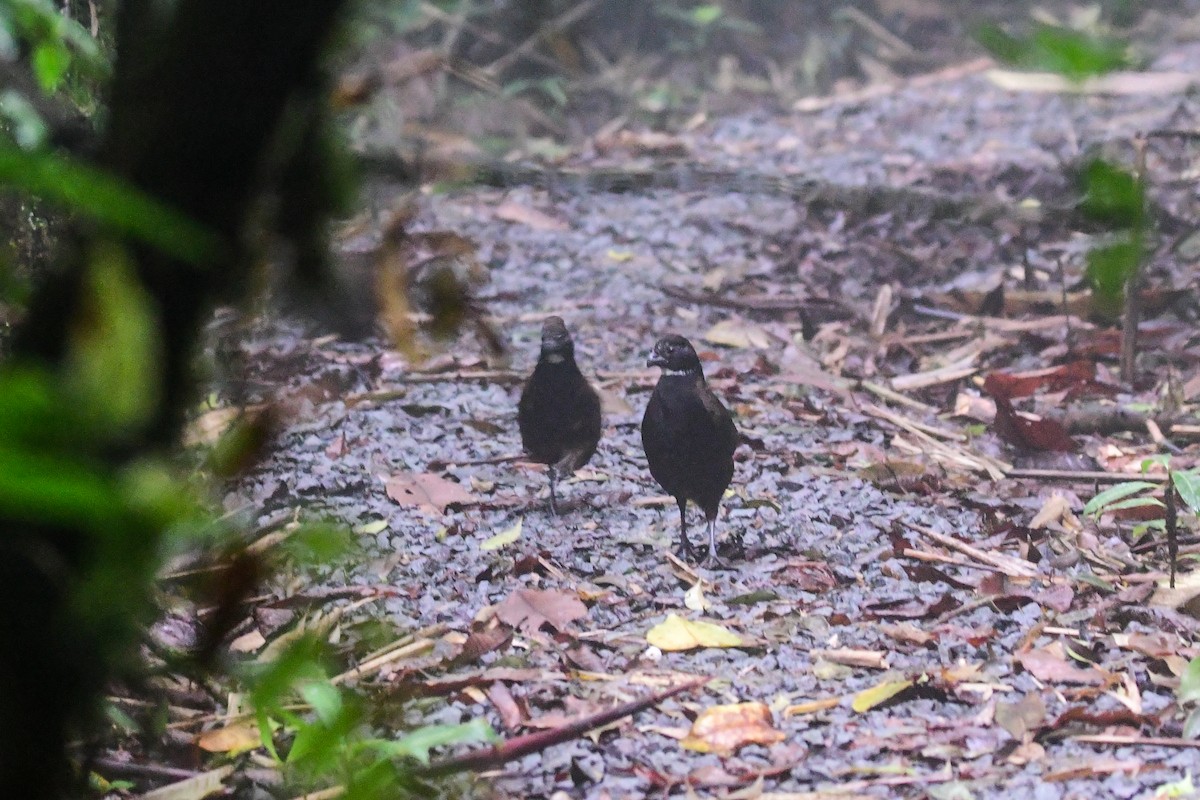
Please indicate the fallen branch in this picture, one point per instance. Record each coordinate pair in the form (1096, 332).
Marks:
(521, 746)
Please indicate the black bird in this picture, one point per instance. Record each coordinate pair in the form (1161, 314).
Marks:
(688, 436)
(559, 412)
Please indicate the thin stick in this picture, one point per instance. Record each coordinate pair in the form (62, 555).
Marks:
(558, 24)
(1133, 304)
(521, 746)
(1148, 741)
(1010, 566)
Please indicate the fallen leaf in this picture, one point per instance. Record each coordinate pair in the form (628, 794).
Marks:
(510, 211)
(248, 642)
(694, 598)
(1050, 665)
(234, 739)
(529, 609)
(1051, 511)
(725, 729)
(193, 788)
(505, 537)
(676, 633)
(879, 693)
(429, 492)
(372, 528)
(1022, 718)
(1030, 434)
(737, 333)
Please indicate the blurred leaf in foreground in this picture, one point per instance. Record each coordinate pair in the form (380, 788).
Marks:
(1048, 48)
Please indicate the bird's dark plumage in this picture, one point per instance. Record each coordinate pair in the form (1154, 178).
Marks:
(689, 436)
(559, 412)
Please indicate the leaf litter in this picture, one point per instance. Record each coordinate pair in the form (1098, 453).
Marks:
(905, 496)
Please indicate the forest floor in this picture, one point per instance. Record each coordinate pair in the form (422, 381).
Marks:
(918, 612)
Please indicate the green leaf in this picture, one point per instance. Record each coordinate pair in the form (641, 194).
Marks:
(1187, 483)
(706, 15)
(1073, 54)
(1119, 492)
(324, 698)
(50, 63)
(319, 543)
(114, 361)
(418, 743)
(1112, 195)
(109, 200)
(1189, 683)
(1159, 460)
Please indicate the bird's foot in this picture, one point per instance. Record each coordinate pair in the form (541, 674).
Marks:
(714, 561)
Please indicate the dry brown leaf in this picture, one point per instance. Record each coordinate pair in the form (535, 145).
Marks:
(1022, 718)
(510, 211)
(529, 609)
(1051, 665)
(429, 492)
(725, 729)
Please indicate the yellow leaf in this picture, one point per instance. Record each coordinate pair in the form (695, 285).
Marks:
(724, 729)
(372, 528)
(235, 739)
(880, 693)
(504, 537)
(675, 633)
(620, 256)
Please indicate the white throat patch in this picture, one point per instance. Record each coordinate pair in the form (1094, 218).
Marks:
(555, 358)
(677, 373)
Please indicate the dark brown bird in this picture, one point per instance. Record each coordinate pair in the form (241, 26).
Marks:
(559, 412)
(688, 436)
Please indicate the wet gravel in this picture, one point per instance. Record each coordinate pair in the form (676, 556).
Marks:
(797, 496)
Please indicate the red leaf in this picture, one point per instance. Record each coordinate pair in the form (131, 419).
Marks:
(1029, 434)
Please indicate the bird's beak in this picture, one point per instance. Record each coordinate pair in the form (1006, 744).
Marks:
(656, 360)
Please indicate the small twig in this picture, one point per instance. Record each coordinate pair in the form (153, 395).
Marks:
(925, 555)
(114, 767)
(885, 393)
(521, 746)
(1013, 567)
(1133, 291)
(1147, 741)
(558, 24)
(1172, 526)
(1080, 476)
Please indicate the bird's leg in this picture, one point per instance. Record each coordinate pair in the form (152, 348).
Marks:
(553, 499)
(685, 547)
(713, 558)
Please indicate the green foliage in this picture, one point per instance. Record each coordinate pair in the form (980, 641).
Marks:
(1108, 271)
(104, 198)
(58, 43)
(1137, 494)
(1048, 48)
(1113, 196)
(331, 743)
(1116, 198)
